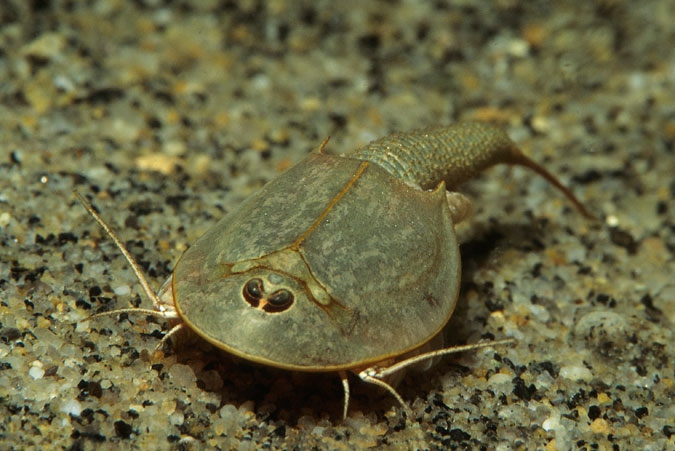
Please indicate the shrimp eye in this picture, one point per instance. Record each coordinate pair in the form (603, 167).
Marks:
(253, 292)
(279, 301)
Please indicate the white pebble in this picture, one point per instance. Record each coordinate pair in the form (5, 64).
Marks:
(576, 373)
(122, 290)
(519, 48)
(230, 419)
(4, 219)
(228, 411)
(71, 407)
(551, 423)
(36, 370)
(499, 379)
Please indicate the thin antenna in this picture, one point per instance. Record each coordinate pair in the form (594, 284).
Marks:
(134, 265)
(379, 373)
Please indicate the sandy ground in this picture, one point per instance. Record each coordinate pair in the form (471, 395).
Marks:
(168, 114)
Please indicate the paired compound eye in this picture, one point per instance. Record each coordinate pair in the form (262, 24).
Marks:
(280, 300)
(254, 293)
